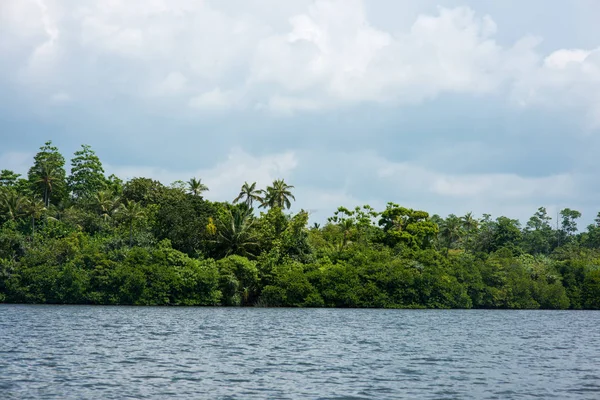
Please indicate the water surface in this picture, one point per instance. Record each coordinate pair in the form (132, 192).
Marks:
(81, 352)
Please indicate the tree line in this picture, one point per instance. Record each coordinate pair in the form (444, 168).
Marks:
(88, 238)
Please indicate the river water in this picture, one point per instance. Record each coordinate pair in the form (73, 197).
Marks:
(86, 352)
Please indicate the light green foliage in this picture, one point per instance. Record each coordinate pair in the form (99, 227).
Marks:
(87, 174)
(407, 226)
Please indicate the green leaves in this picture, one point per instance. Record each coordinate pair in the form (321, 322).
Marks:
(47, 176)
(87, 174)
(250, 193)
(407, 226)
(196, 187)
(278, 195)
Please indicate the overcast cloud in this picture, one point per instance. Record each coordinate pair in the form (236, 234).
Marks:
(447, 106)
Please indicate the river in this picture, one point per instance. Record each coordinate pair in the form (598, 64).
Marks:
(91, 352)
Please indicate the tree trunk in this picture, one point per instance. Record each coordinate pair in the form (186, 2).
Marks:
(32, 229)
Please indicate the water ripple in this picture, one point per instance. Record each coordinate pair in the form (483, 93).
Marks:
(79, 352)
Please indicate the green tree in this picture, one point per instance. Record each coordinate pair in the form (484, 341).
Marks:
(106, 204)
(184, 220)
(470, 225)
(568, 224)
(250, 193)
(507, 233)
(8, 178)
(451, 232)
(12, 203)
(407, 226)
(538, 234)
(238, 280)
(196, 187)
(87, 174)
(235, 234)
(278, 195)
(47, 176)
(34, 208)
(130, 212)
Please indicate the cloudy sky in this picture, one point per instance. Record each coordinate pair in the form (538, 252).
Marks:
(447, 106)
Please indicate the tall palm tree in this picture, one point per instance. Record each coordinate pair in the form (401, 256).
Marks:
(235, 233)
(34, 208)
(131, 211)
(251, 193)
(470, 225)
(196, 187)
(106, 204)
(13, 203)
(278, 195)
(48, 177)
(451, 230)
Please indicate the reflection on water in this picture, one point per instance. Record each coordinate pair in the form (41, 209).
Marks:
(78, 352)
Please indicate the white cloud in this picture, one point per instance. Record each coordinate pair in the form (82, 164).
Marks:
(566, 79)
(214, 99)
(329, 54)
(561, 59)
(173, 84)
(226, 177)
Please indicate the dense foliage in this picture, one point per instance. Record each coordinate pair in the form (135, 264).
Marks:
(87, 238)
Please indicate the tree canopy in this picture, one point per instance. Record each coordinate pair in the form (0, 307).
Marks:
(91, 239)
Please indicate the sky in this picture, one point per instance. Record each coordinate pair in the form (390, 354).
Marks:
(444, 106)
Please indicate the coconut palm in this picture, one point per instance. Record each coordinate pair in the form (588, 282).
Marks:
(13, 203)
(196, 187)
(470, 225)
(278, 195)
(106, 204)
(235, 232)
(131, 211)
(48, 176)
(34, 208)
(251, 193)
(451, 230)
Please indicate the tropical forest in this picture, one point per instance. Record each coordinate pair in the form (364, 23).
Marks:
(82, 237)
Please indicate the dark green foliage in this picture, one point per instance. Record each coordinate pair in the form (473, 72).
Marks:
(47, 176)
(183, 218)
(143, 243)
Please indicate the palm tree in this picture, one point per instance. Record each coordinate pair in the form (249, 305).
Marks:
(470, 225)
(451, 230)
(196, 187)
(130, 211)
(235, 232)
(107, 203)
(278, 195)
(250, 193)
(34, 208)
(48, 176)
(13, 203)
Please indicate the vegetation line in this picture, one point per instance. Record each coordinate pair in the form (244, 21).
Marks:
(90, 239)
